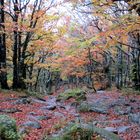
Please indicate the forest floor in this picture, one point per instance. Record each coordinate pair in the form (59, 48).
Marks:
(37, 117)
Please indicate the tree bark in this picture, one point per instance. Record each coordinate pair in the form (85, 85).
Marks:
(3, 73)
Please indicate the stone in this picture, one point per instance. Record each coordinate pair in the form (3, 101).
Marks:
(23, 131)
(82, 132)
(23, 101)
(123, 110)
(10, 110)
(100, 91)
(134, 117)
(32, 113)
(123, 129)
(32, 124)
(111, 129)
(42, 117)
(98, 109)
(132, 100)
(115, 121)
(77, 93)
(51, 107)
(120, 129)
(39, 101)
(119, 102)
(77, 115)
(58, 114)
(39, 117)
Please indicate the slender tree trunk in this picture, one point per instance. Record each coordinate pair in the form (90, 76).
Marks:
(17, 70)
(135, 42)
(91, 69)
(3, 73)
(119, 76)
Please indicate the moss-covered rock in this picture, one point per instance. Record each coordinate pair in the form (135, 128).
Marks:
(76, 93)
(83, 107)
(8, 129)
(83, 132)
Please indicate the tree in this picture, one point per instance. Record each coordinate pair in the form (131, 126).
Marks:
(3, 73)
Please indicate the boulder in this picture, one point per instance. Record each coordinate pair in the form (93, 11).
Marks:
(120, 129)
(111, 129)
(93, 107)
(8, 130)
(123, 110)
(82, 132)
(100, 91)
(99, 109)
(51, 107)
(76, 93)
(32, 124)
(134, 117)
(10, 110)
(123, 129)
(23, 101)
(38, 118)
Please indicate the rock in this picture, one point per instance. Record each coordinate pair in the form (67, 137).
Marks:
(123, 129)
(51, 107)
(10, 99)
(119, 102)
(123, 110)
(112, 129)
(8, 130)
(23, 101)
(77, 115)
(39, 101)
(10, 110)
(115, 121)
(61, 106)
(74, 104)
(32, 113)
(84, 107)
(32, 124)
(39, 117)
(117, 130)
(23, 131)
(132, 100)
(95, 122)
(98, 109)
(135, 117)
(77, 93)
(100, 91)
(82, 132)
(58, 114)
(42, 117)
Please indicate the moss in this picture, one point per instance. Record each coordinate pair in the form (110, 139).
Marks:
(8, 129)
(83, 107)
(74, 132)
(129, 91)
(83, 132)
(76, 93)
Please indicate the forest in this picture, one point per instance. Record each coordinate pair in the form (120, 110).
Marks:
(69, 69)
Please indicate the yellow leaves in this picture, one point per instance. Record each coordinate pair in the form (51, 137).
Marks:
(111, 42)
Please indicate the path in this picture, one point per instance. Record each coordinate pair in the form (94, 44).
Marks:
(109, 110)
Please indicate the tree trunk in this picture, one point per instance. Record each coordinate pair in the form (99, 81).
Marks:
(90, 70)
(135, 42)
(3, 73)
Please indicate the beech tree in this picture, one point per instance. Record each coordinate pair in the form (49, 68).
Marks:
(3, 73)
(25, 16)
